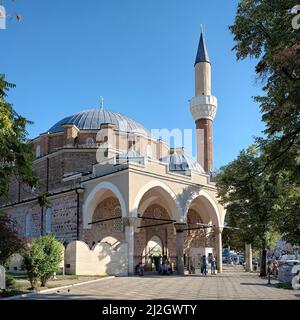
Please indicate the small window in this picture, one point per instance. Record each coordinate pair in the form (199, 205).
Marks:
(38, 151)
(28, 225)
(89, 141)
(48, 221)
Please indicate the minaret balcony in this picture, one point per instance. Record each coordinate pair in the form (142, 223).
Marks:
(204, 107)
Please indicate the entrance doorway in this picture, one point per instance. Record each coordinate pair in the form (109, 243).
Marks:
(152, 254)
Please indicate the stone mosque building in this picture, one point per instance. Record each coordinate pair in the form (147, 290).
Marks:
(117, 195)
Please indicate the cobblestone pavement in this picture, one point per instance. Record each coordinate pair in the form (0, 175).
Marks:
(233, 284)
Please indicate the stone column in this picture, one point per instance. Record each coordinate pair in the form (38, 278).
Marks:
(129, 238)
(248, 256)
(219, 248)
(180, 247)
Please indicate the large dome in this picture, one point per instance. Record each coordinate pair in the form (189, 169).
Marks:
(92, 120)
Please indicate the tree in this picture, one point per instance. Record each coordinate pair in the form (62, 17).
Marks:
(42, 259)
(288, 208)
(16, 155)
(263, 29)
(43, 203)
(250, 199)
(10, 242)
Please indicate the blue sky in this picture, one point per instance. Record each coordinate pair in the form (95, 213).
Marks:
(137, 54)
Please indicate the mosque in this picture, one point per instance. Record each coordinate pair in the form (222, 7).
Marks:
(118, 197)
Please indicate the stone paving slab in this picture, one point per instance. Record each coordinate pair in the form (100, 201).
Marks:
(233, 284)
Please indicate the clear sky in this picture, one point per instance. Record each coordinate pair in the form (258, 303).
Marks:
(138, 54)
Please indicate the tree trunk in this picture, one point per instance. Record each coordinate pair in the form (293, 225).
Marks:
(42, 221)
(263, 263)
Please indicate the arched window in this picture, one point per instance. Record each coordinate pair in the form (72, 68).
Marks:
(38, 151)
(89, 141)
(48, 221)
(28, 225)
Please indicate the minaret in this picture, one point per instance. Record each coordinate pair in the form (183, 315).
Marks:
(203, 107)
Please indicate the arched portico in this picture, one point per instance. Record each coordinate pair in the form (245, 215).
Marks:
(157, 189)
(101, 192)
(201, 204)
(209, 207)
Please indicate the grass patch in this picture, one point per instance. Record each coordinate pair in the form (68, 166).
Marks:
(15, 289)
(287, 286)
(19, 284)
(18, 276)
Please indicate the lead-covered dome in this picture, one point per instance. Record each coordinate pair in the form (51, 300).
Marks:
(180, 162)
(93, 119)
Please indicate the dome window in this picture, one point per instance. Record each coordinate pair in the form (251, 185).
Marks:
(89, 141)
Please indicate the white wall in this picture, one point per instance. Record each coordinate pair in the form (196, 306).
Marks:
(103, 259)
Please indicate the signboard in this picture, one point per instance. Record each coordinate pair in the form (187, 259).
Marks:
(2, 278)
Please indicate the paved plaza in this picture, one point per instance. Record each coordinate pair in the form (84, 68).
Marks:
(234, 284)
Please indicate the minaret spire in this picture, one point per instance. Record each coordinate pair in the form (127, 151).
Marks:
(202, 55)
(203, 106)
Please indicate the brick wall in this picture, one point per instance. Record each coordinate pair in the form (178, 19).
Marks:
(63, 221)
(114, 228)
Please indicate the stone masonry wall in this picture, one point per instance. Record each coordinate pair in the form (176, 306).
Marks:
(63, 221)
(108, 208)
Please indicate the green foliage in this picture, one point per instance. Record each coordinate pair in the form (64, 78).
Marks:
(10, 281)
(16, 155)
(10, 242)
(44, 203)
(250, 199)
(263, 30)
(42, 259)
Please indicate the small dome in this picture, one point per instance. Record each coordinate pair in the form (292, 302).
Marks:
(180, 162)
(93, 119)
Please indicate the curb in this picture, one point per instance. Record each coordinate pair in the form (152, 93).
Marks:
(57, 288)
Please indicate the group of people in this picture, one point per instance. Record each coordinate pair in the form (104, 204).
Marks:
(204, 263)
(165, 268)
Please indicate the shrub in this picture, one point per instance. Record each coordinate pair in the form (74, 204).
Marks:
(42, 260)
(10, 281)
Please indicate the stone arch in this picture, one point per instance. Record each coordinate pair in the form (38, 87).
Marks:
(168, 194)
(208, 203)
(110, 240)
(92, 201)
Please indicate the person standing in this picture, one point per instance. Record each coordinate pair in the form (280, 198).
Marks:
(213, 264)
(203, 265)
